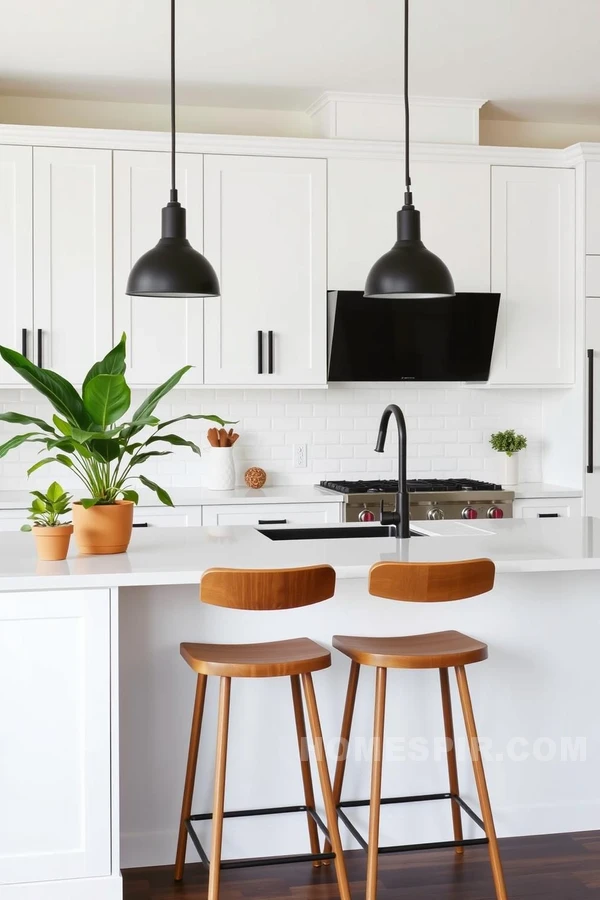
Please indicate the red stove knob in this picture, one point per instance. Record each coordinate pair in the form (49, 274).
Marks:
(365, 515)
(469, 512)
(494, 512)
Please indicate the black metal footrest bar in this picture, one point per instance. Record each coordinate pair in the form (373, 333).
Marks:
(259, 860)
(418, 798)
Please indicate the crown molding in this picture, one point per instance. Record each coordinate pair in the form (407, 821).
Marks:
(320, 148)
(392, 100)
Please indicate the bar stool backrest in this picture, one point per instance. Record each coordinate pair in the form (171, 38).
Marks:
(264, 589)
(431, 582)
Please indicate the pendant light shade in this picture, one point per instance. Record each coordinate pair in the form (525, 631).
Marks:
(173, 268)
(409, 270)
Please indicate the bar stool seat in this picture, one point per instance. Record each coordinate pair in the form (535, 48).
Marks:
(420, 651)
(268, 660)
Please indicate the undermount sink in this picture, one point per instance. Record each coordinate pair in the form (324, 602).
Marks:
(327, 533)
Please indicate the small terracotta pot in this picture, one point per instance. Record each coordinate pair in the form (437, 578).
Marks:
(52, 543)
(103, 529)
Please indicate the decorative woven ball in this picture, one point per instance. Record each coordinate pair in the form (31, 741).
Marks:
(255, 477)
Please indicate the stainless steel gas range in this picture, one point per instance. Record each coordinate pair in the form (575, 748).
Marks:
(436, 498)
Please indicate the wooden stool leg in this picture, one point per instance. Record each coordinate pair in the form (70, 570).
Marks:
(330, 810)
(214, 875)
(484, 800)
(451, 756)
(375, 802)
(340, 767)
(190, 775)
(309, 795)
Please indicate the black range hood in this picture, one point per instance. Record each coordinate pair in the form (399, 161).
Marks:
(441, 339)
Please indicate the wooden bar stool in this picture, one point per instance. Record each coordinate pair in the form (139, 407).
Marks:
(420, 582)
(261, 589)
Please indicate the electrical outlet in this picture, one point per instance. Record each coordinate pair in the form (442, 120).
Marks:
(299, 456)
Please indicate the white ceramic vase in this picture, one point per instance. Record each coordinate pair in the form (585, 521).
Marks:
(511, 470)
(219, 469)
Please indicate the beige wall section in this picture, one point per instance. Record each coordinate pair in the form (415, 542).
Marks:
(152, 117)
(500, 133)
(269, 122)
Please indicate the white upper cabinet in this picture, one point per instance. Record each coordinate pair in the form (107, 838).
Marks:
(592, 208)
(265, 233)
(163, 334)
(533, 268)
(16, 287)
(72, 220)
(364, 196)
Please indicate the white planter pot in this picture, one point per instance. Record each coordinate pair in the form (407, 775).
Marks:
(219, 469)
(511, 470)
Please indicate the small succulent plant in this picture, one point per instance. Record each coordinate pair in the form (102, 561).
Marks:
(508, 442)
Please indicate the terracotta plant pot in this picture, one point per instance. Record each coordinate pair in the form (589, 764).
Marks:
(52, 543)
(103, 529)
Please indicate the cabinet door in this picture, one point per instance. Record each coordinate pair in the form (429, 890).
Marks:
(72, 213)
(16, 284)
(265, 233)
(533, 268)
(364, 196)
(592, 453)
(163, 334)
(165, 517)
(272, 514)
(546, 508)
(54, 736)
(592, 207)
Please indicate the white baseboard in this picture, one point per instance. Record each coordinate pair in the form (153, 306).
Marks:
(110, 888)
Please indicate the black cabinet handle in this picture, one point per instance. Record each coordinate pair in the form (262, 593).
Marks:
(548, 515)
(272, 521)
(24, 341)
(260, 352)
(590, 462)
(140, 525)
(40, 346)
(270, 352)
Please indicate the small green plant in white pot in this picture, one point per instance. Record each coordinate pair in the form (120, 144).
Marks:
(52, 536)
(510, 443)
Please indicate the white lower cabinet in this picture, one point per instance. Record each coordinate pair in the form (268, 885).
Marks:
(55, 784)
(547, 508)
(273, 514)
(166, 516)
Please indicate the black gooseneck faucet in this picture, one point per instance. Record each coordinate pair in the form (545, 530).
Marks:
(400, 516)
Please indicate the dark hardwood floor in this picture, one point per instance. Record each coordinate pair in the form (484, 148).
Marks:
(550, 867)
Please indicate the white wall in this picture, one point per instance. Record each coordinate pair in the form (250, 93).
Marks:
(449, 428)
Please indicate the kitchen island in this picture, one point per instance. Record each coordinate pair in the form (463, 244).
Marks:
(96, 702)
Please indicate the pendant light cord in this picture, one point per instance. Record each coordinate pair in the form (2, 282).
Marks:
(173, 188)
(408, 194)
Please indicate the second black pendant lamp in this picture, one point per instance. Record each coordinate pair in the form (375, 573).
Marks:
(173, 268)
(409, 269)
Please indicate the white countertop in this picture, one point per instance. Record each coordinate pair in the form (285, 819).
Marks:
(180, 555)
(197, 496)
(530, 490)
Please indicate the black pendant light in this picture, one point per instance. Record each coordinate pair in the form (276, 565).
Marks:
(173, 268)
(409, 270)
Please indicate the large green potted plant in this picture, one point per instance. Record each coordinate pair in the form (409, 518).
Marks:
(87, 437)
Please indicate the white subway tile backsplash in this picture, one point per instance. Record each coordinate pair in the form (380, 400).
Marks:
(448, 433)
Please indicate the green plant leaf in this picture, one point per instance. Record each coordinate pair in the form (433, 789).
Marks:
(88, 502)
(39, 503)
(19, 439)
(175, 440)
(153, 399)
(65, 460)
(55, 492)
(42, 462)
(160, 492)
(61, 394)
(107, 449)
(216, 419)
(72, 431)
(142, 457)
(25, 527)
(112, 364)
(131, 495)
(107, 398)
(18, 419)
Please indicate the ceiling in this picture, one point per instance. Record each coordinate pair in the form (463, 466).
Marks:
(533, 59)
